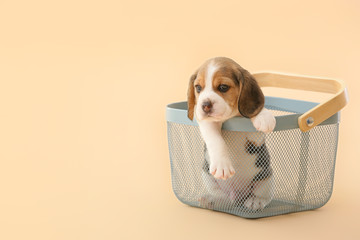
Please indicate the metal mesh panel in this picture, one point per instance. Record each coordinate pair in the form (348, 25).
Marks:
(295, 169)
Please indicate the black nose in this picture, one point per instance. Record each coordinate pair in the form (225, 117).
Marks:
(206, 106)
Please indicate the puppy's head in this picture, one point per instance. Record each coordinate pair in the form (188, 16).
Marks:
(221, 89)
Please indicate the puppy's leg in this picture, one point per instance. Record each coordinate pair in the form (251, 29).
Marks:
(215, 197)
(264, 121)
(261, 196)
(262, 183)
(220, 162)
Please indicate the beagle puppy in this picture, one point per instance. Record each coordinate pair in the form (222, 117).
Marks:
(219, 90)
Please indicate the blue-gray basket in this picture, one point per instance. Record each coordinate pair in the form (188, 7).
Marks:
(302, 148)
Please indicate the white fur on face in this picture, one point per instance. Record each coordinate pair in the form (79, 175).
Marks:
(221, 111)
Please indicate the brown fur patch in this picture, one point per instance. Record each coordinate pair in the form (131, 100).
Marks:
(232, 95)
(191, 97)
(251, 99)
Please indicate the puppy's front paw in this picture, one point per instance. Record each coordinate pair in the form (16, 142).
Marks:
(222, 168)
(255, 203)
(264, 121)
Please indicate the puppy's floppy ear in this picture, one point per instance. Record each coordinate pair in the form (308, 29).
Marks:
(251, 98)
(191, 96)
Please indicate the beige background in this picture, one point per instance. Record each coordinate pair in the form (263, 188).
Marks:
(83, 90)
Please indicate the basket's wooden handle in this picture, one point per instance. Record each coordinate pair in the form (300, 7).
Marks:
(321, 112)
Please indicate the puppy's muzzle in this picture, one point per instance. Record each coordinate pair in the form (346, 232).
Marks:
(207, 106)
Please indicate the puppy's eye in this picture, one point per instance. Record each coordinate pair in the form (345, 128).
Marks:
(223, 88)
(198, 88)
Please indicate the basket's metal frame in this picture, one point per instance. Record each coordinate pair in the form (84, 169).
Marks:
(177, 112)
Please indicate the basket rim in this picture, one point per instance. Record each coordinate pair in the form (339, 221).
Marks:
(177, 113)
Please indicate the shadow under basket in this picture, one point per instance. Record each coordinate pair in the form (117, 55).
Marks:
(302, 160)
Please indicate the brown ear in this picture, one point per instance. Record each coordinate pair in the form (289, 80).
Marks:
(191, 96)
(251, 98)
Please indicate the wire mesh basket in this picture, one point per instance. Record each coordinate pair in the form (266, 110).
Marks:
(299, 155)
